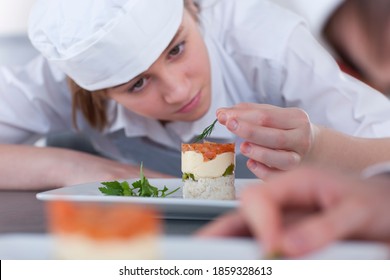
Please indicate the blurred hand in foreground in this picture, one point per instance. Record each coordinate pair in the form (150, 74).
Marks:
(330, 207)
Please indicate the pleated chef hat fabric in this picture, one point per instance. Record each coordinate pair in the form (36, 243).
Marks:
(103, 43)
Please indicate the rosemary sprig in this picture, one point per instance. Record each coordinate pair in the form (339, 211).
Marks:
(206, 132)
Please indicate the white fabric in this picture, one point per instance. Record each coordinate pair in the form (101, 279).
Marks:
(255, 57)
(379, 169)
(103, 43)
(316, 13)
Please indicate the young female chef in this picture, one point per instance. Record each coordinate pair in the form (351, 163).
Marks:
(141, 77)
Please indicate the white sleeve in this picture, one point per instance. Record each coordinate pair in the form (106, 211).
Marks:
(378, 169)
(312, 80)
(35, 101)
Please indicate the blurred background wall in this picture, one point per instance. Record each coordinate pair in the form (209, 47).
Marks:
(16, 50)
(15, 47)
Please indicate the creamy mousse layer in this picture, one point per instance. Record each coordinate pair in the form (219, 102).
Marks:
(193, 162)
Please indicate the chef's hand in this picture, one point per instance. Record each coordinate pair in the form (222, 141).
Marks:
(276, 139)
(87, 168)
(49, 167)
(331, 207)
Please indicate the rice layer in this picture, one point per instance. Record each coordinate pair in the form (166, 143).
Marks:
(210, 188)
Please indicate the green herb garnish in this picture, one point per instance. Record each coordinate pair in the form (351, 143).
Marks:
(206, 132)
(187, 176)
(141, 187)
(229, 170)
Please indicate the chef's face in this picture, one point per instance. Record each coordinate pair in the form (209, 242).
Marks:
(177, 86)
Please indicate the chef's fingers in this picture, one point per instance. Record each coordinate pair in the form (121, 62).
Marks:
(230, 224)
(298, 139)
(263, 207)
(275, 159)
(317, 231)
(262, 217)
(263, 115)
(261, 170)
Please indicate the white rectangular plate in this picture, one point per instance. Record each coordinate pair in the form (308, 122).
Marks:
(172, 207)
(42, 247)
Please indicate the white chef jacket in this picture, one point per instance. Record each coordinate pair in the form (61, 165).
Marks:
(316, 13)
(258, 53)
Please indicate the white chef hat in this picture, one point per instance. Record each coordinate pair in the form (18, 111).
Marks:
(104, 43)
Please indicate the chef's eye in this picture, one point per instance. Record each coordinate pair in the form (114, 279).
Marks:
(177, 50)
(138, 85)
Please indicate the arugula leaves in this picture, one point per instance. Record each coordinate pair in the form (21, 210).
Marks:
(141, 187)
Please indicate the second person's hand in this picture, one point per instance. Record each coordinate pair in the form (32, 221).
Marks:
(331, 207)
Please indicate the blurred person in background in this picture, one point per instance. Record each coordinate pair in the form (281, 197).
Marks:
(356, 32)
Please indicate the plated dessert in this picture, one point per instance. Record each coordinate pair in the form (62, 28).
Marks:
(86, 230)
(208, 170)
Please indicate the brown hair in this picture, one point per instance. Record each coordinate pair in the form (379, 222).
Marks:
(92, 104)
(373, 16)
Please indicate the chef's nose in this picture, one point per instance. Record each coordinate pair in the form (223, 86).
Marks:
(176, 87)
